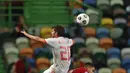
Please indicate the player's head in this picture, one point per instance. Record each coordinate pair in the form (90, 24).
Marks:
(90, 67)
(58, 31)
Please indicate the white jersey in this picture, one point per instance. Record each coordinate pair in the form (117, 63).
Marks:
(61, 51)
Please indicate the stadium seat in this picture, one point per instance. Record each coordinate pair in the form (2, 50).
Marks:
(66, 30)
(76, 47)
(86, 60)
(128, 32)
(116, 33)
(22, 42)
(119, 70)
(94, 19)
(128, 9)
(92, 43)
(90, 2)
(120, 42)
(128, 43)
(37, 31)
(113, 53)
(128, 23)
(120, 22)
(118, 11)
(46, 32)
(8, 45)
(128, 70)
(11, 55)
(42, 52)
(102, 32)
(103, 2)
(126, 63)
(94, 16)
(34, 31)
(28, 52)
(104, 6)
(106, 43)
(115, 2)
(35, 44)
(31, 62)
(90, 32)
(98, 50)
(77, 11)
(107, 22)
(114, 63)
(74, 30)
(91, 11)
(84, 52)
(125, 53)
(11, 49)
(31, 30)
(42, 63)
(104, 70)
(79, 40)
(99, 57)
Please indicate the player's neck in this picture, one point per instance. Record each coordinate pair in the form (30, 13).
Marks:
(57, 36)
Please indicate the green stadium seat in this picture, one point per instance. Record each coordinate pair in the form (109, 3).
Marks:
(104, 70)
(22, 42)
(113, 63)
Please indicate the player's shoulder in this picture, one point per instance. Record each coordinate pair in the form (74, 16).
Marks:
(52, 38)
(82, 69)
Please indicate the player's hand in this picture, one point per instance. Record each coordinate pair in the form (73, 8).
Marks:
(23, 32)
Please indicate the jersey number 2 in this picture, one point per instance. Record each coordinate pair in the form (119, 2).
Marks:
(65, 55)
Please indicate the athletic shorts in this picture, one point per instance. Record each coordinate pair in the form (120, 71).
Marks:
(55, 69)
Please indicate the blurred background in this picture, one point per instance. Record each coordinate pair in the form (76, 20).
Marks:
(105, 41)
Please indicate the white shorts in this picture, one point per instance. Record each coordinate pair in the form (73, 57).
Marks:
(54, 69)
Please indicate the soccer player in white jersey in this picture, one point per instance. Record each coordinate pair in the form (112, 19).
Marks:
(60, 49)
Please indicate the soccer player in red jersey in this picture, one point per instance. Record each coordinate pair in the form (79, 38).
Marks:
(88, 68)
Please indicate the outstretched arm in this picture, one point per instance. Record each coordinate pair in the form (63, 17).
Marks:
(33, 37)
(73, 42)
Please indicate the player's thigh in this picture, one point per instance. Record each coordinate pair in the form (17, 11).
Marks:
(47, 71)
(50, 70)
(61, 70)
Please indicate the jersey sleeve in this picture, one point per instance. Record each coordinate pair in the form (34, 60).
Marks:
(50, 41)
(80, 70)
(71, 42)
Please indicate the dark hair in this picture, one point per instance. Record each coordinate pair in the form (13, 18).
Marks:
(60, 30)
(89, 64)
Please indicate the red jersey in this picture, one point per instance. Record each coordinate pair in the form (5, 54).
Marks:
(80, 70)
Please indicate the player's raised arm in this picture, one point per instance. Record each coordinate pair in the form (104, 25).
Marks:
(73, 41)
(33, 37)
